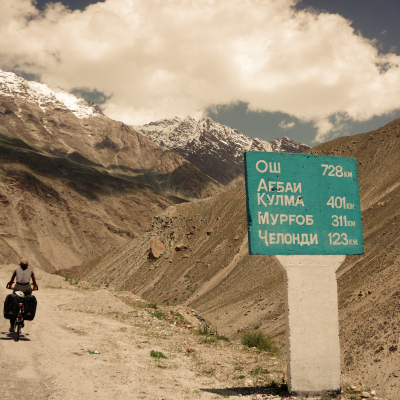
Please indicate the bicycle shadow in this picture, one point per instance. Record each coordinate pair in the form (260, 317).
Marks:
(13, 336)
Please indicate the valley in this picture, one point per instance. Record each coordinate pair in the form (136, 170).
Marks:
(84, 196)
(234, 291)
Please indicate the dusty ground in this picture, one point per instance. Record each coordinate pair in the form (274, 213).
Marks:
(52, 359)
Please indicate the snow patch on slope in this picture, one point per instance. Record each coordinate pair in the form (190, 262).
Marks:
(13, 85)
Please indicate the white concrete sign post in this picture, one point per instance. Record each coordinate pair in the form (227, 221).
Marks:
(305, 209)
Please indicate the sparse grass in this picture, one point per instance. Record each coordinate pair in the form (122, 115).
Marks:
(274, 384)
(158, 314)
(222, 337)
(241, 362)
(203, 330)
(71, 281)
(278, 371)
(209, 371)
(277, 387)
(209, 340)
(136, 304)
(143, 304)
(157, 354)
(260, 341)
(178, 315)
(350, 392)
(259, 371)
(152, 304)
(211, 335)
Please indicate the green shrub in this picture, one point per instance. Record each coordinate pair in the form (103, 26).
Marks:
(222, 337)
(178, 315)
(203, 330)
(211, 335)
(259, 340)
(152, 304)
(71, 281)
(157, 354)
(158, 314)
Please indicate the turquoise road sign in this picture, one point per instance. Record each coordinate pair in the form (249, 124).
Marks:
(302, 204)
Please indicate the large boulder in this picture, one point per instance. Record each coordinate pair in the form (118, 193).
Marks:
(157, 248)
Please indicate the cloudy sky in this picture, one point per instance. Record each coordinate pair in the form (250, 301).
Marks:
(311, 70)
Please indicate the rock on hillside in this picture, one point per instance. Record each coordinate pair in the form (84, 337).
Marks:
(215, 149)
(58, 213)
(63, 125)
(216, 276)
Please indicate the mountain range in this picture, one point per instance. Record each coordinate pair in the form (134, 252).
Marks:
(214, 148)
(86, 196)
(97, 180)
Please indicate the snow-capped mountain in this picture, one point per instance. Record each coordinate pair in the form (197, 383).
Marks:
(286, 145)
(12, 85)
(60, 124)
(214, 148)
(177, 133)
(192, 151)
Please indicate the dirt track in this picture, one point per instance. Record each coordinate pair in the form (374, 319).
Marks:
(52, 359)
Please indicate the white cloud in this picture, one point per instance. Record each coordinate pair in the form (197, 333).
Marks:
(161, 58)
(286, 125)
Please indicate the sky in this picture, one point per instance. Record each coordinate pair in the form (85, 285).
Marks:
(311, 70)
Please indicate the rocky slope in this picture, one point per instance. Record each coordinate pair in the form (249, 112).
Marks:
(215, 149)
(63, 125)
(57, 212)
(206, 264)
(369, 294)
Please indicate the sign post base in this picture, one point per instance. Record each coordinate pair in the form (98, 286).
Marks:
(312, 323)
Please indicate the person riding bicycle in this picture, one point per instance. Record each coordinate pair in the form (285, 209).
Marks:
(23, 276)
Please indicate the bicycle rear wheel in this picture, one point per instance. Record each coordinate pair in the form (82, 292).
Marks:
(18, 323)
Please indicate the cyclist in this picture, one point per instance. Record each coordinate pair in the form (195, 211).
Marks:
(23, 277)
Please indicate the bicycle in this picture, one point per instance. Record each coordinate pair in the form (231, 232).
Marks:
(19, 321)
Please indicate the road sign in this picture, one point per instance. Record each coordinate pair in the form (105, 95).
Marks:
(302, 204)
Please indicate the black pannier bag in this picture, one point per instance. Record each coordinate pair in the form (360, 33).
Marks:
(11, 306)
(30, 304)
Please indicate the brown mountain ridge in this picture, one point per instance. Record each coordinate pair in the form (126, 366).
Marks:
(57, 212)
(98, 141)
